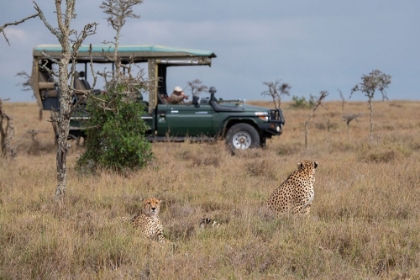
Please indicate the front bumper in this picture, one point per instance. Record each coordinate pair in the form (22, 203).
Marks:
(274, 125)
(270, 129)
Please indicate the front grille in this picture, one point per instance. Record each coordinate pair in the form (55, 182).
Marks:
(277, 115)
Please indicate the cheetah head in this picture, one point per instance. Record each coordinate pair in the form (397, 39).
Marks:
(308, 166)
(151, 207)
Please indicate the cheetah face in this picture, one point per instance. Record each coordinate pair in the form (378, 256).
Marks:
(151, 207)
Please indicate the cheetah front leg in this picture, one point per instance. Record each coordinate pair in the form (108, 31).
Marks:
(302, 209)
(306, 210)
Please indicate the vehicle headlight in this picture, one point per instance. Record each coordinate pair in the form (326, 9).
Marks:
(262, 115)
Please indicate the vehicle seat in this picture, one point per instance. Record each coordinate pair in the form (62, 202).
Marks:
(46, 86)
(80, 85)
(85, 83)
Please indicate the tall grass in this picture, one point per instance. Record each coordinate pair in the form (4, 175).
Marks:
(364, 222)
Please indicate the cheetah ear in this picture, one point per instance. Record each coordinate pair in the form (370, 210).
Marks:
(315, 164)
(300, 165)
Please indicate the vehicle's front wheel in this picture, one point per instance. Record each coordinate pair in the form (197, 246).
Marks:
(242, 136)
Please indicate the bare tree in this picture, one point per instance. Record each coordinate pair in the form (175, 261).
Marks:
(8, 132)
(343, 100)
(376, 80)
(275, 90)
(118, 11)
(322, 94)
(196, 87)
(348, 118)
(26, 84)
(70, 42)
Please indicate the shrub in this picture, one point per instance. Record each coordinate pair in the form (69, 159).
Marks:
(115, 138)
(301, 102)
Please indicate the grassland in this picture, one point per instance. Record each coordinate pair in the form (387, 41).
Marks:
(364, 221)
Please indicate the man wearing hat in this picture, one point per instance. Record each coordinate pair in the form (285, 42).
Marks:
(177, 96)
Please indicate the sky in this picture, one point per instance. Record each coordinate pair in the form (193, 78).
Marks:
(311, 45)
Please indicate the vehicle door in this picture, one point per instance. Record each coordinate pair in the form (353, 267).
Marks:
(182, 120)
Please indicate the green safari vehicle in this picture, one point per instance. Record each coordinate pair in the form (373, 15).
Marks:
(206, 118)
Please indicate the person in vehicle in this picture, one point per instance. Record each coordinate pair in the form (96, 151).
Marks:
(178, 96)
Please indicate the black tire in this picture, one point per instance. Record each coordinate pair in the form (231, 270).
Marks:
(242, 136)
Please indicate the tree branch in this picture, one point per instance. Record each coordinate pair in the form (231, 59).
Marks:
(46, 23)
(15, 23)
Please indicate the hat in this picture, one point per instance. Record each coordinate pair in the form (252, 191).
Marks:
(178, 89)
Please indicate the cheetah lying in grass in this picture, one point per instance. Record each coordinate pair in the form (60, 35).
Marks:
(295, 195)
(148, 221)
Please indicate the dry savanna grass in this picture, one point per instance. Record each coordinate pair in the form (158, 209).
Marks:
(364, 222)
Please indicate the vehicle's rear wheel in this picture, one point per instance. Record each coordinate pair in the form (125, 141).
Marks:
(242, 136)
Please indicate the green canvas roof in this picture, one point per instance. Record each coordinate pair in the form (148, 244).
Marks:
(138, 52)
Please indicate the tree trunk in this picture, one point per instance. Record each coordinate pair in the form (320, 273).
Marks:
(61, 159)
(63, 128)
(6, 134)
(371, 118)
(10, 132)
(116, 58)
(54, 123)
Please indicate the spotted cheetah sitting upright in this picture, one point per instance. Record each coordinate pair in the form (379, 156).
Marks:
(295, 195)
(148, 221)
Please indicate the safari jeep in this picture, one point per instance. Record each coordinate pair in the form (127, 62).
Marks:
(206, 118)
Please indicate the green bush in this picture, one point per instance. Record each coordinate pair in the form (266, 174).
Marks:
(115, 138)
(301, 102)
